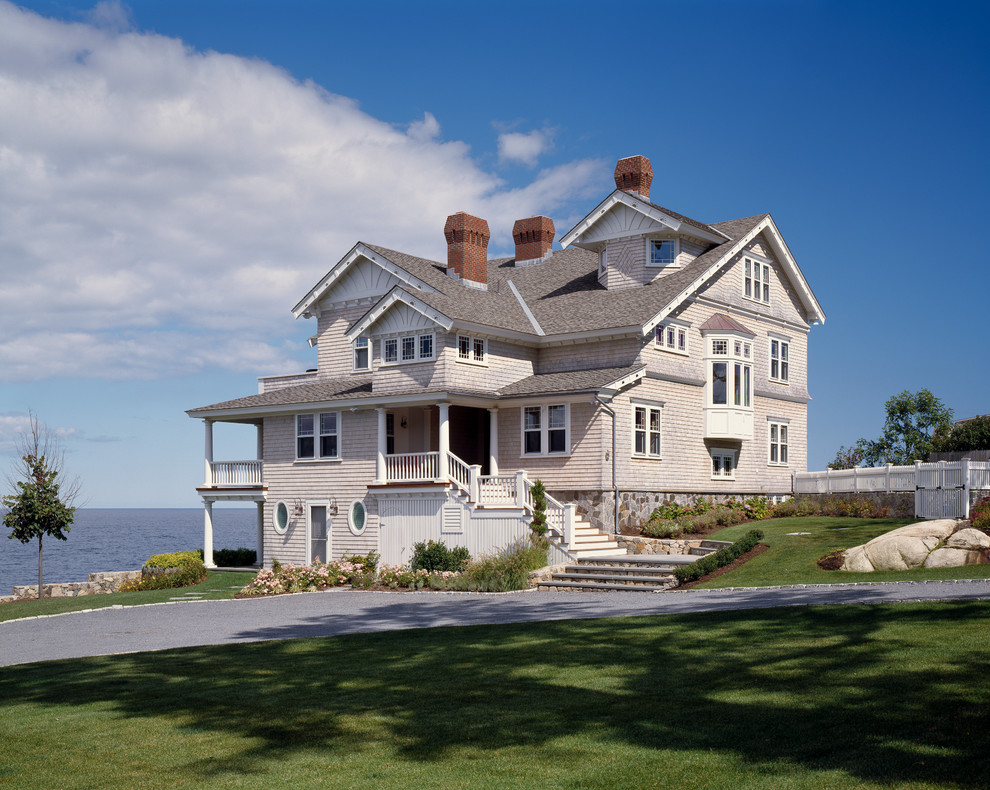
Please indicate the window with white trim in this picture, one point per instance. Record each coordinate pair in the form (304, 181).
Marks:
(318, 435)
(646, 430)
(280, 517)
(778, 443)
(602, 262)
(723, 464)
(757, 280)
(662, 252)
(671, 337)
(545, 430)
(732, 378)
(357, 517)
(407, 348)
(362, 354)
(779, 353)
(473, 350)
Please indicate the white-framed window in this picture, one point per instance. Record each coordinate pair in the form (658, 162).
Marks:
(362, 354)
(723, 464)
(280, 517)
(646, 430)
(671, 337)
(602, 262)
(318, 435)
(779, 360)
(757, 280)
(408, 348)
(732, 377)
(357, 517)
(662, 252)
(546, 430)
(777, 437)
(473, 350)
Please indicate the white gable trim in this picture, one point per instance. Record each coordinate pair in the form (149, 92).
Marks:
(305, 308)
(625, 381)
(814, 310)
(393, 297)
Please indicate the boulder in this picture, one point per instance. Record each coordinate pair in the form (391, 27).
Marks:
(856, 560)
(953, 558)
(940, 543)
(970, 539)
(900, 552)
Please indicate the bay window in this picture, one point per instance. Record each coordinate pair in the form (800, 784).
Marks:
(729, 386)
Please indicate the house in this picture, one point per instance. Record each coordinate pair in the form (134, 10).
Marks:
(651, 356)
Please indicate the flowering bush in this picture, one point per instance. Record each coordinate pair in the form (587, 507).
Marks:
(302, 578)
(980, 515)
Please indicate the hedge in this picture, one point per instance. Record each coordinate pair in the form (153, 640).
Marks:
(712, 562)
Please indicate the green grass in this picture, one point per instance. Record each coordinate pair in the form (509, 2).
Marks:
(891, 696)
(217, 586)
(792, 559)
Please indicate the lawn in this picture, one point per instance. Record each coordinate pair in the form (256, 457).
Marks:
(218, 585)
(792, 558)
(883, 696)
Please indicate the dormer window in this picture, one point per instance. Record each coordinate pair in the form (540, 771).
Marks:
(671, 337)
(662, 252)
(757, 280)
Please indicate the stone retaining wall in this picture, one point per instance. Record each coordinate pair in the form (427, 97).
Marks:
(899, 503)
(98, 584)
(636, 544)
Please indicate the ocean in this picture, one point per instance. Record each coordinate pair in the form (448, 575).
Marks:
(120, 540)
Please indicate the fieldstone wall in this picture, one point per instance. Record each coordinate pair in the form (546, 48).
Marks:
(98, 584)
(899, 503)
(637, 544)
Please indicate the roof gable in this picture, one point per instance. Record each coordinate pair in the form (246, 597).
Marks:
(399, 311)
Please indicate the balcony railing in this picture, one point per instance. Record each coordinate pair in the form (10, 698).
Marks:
(412, 467)
(234, 474)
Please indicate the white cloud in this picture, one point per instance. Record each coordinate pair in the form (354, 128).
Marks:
(524, 147)
(14, 426)
(164, 208)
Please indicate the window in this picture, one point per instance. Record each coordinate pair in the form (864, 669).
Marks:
(671, 337)
(472, 349)
(646, 430)
(408, 348)
(778, 360)
(357, 517)
(778, 443)
(757, 280)
(732, 382)
(362, 354)
(723, 465)
(329, 433)
(545, 430)
(602, 262)
(281, 517)
(662, 252)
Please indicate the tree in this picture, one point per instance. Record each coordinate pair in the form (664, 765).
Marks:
(912, 420)
(539, 523)
(971, 434)
(41, 502)
(847, 458)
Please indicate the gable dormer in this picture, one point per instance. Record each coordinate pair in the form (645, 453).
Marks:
(636, 240)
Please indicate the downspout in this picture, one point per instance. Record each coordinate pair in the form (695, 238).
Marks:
(615, 486)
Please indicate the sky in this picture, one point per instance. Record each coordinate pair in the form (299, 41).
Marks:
(175, 175)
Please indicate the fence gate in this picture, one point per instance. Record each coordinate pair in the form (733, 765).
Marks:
(941, 491)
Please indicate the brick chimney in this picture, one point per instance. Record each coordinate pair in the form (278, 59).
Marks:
(634, 174)
(534, 240)
(467, 249)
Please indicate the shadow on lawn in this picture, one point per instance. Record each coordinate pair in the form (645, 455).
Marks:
(883, 694)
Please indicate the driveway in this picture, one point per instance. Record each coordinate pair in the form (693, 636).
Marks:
(343, 611)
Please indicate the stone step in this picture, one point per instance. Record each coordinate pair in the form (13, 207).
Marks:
(616, 578)
(594, 552)
(609, 566)
(564, 586)
(715, 544)
(701, 551)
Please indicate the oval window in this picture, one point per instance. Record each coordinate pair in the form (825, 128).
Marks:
(281, 518)
(356, 517)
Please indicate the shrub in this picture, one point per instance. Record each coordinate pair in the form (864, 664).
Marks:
(539, 523)
(727, 515)
(980, 514)
(232, 558)
(663, 528)
(702, 505)
(303, 578)
(668, 511)
(785, 509)
(703, 522)
(758, 508)
(807, 507)
(369, 561)
(711, 562)
(167, 571)
(500, 571)
(435, 556)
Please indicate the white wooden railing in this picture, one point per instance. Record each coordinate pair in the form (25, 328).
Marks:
(888, 478)
(412, 467)
(458, 472)
(233, 474)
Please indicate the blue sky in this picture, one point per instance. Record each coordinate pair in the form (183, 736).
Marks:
(175, 175)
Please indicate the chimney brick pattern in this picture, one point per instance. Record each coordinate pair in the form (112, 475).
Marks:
(467, 247)
(533, 237)
(634, 174)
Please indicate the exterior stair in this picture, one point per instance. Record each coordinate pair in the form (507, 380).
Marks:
(632, 573)
(709, 547)
(589, 542)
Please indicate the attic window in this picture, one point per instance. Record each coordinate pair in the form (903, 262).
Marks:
(757, 280)
(663, 252)
(473, 350)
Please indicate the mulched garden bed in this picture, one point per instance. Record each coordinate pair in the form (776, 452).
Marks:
(756, 551)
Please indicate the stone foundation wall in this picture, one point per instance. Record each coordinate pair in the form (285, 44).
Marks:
(98, 584)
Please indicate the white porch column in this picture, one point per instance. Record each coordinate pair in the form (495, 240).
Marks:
(261, 534)
(493, 441)
(208, 453)
(208, 533)
(260, 451)
(444, 439)
(380, 476)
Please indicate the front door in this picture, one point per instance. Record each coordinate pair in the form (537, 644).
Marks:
(319, 534)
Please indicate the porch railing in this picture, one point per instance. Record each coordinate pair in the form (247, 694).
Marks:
(227, 474)
(412, 467)
(459, 472)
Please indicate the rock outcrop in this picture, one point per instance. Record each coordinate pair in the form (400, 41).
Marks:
(941, 543)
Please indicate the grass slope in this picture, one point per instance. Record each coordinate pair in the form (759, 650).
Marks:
(837, 697)
(792, 559)
(218, 585)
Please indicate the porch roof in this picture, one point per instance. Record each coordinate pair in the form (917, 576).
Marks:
(569, 381)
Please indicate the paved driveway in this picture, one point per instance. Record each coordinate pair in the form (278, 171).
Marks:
(156, 627)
